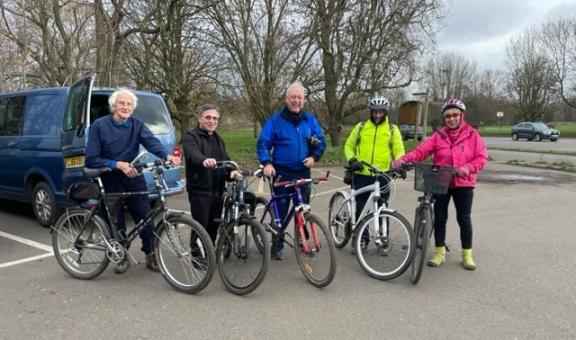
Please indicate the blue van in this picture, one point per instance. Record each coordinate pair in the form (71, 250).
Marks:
(43, 135)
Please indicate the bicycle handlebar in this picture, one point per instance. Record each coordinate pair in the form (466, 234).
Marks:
(301, 181)
(394, 173)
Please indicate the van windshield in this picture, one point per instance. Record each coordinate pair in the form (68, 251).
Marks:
(153, 112)
(150, 109)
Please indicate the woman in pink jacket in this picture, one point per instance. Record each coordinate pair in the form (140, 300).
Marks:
(457, 144)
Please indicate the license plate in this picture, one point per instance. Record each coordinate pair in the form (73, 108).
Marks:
(74, 162)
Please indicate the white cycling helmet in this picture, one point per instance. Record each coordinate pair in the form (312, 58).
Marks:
(379, 103)
(453, 103)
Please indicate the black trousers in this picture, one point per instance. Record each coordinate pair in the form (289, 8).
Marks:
(204, 209)
(463, 202)
(138, 206)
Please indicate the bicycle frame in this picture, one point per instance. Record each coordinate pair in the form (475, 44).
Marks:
(102, 207)
(297, 209)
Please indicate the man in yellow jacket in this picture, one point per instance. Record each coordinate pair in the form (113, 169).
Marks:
(377, 142)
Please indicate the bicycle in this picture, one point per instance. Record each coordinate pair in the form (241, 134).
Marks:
(85, 240)
(430, 180)
(315, 252)
(388, 251)
(242, 265)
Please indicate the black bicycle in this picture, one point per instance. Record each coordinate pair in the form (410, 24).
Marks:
(242, 263)
(430, 180)
(85, 241)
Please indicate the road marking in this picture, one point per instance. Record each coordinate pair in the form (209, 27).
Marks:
(28, 259)
(26, 241)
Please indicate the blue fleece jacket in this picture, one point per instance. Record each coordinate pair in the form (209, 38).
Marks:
(110, 141)
(284, 139)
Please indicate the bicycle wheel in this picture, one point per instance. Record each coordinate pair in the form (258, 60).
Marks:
(185, 254)
(318, 264)
(422, 225)
(388, 251)
(339, 219)
(241, 264)
(80, 251)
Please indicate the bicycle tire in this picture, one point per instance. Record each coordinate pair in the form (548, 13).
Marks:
(339, 219)
(422, 225)
(185, 254)
(312, 264)
(242, 265)
(65, 232)
(385, 257)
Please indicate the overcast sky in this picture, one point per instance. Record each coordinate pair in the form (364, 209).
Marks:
(479, 30)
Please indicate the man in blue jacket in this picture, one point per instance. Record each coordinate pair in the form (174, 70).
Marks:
(290, 142)
(113, 142)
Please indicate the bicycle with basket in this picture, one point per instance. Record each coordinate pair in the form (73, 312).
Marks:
(430, 180)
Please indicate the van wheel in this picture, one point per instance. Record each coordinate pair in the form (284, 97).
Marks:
(43, 204)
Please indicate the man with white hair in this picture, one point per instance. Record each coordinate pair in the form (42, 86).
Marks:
(114, 141)
(290, 143)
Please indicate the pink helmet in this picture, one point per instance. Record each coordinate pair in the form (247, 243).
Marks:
(453, 103)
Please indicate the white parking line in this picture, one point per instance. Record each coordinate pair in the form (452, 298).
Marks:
(28, 259)
(26, 241)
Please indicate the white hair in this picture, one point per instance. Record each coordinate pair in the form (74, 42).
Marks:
(122, 90)
(296, 84)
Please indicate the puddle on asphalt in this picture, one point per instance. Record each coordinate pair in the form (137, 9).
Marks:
(515, 177)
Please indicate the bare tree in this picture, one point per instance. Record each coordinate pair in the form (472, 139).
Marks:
(178, 61)
(366, 47)
(265, 46)
(531, 83)
(53, 35)
(558, 39)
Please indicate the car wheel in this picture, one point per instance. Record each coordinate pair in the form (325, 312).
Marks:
(43, 204)
(553, 139)
(537, 137)
(514, 136)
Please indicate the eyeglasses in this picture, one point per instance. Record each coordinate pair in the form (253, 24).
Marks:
(453, 115)
(210, 118)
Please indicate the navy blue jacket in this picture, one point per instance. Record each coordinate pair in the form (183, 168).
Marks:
(285, 142)
(110, 141)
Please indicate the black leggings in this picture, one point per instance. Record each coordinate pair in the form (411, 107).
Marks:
(463, 203)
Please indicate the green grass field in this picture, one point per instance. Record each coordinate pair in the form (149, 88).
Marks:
(241, 144)
(241, 147)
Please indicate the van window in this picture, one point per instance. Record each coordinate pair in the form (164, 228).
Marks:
(43, 115)
(11, 115)
(152, 111)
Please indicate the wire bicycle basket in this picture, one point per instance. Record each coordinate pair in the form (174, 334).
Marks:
(431, 178)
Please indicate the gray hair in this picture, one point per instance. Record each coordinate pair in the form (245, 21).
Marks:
(206, 107)
(122, 90)
(296, 84)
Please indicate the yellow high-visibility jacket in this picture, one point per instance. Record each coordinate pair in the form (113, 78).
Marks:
(378, 144)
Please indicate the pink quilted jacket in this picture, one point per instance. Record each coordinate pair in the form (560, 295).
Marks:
(467, 150)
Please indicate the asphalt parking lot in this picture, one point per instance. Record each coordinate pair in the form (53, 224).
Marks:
(522, 289)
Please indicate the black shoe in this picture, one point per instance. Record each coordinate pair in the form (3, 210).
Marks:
(276, 254)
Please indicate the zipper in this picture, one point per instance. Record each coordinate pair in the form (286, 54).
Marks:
(374, 143)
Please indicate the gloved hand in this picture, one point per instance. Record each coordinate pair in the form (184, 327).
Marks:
(354, 165)
(463, 171)
(397, 164)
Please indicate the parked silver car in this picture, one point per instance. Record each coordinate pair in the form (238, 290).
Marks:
(534, 131)
(407, 131)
